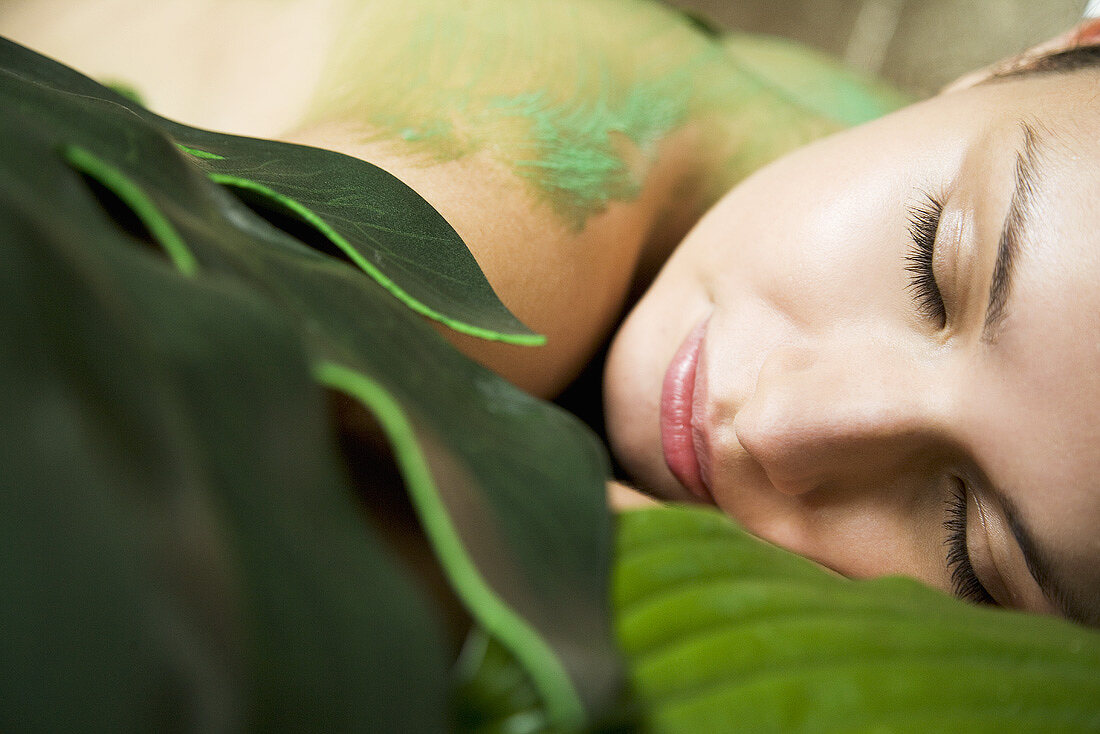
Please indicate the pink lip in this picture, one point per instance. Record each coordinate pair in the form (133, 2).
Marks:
(683, 394)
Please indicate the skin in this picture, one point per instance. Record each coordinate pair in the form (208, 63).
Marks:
(238, 66)
(838, 419)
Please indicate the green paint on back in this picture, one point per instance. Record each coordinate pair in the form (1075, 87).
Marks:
(576, 96)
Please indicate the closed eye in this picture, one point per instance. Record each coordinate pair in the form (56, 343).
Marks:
(964, 581)
(924, 222)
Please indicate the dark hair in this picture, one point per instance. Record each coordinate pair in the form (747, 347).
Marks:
(1080, 57)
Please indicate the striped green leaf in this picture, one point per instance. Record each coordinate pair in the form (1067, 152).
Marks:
(723, 632)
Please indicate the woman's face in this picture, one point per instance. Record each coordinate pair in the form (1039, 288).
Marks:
(885, 347)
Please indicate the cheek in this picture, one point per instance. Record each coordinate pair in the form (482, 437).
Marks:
(808, 247)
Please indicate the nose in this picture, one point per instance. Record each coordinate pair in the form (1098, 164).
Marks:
(840, 414)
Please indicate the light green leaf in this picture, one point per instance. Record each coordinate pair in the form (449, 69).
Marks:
(726, 633)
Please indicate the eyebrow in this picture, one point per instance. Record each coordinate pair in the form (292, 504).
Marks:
(1040, 565)
(1013, 231)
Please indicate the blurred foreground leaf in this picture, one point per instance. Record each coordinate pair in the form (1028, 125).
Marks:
(180, 550)
(723, 632)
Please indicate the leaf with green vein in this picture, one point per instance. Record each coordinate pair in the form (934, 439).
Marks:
(723, 632)
(166, 479)
(531, 573)
(510, 489)
(383, 226)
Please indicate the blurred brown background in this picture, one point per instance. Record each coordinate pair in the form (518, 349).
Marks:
(918, 44)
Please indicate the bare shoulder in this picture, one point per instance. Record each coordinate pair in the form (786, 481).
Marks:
(564, 279)
(562, 154)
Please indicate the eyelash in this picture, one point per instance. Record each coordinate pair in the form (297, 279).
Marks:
(924, 221)
(964, 582)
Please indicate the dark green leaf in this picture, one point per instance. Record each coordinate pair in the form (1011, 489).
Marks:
(493, 692)
(180, 550)
(491, 498)
(509, 489)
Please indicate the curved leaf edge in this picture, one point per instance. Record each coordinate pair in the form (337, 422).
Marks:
(314, 220)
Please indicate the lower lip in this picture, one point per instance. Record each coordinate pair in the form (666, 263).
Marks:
(678, 398)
